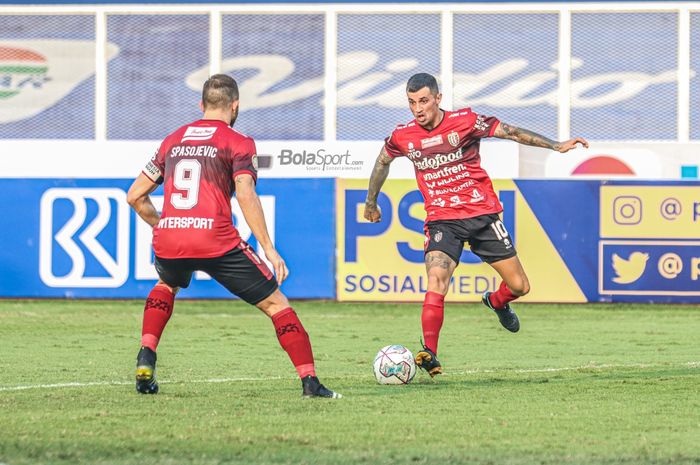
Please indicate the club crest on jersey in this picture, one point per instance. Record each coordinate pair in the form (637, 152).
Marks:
(453, 138)
(438, 236)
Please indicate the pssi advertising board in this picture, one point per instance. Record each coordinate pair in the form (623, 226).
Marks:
(581, 241)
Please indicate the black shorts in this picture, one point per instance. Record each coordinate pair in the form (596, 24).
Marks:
(240, 271)
(486, 235)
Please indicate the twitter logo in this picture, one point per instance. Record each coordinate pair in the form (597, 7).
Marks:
(630, 270)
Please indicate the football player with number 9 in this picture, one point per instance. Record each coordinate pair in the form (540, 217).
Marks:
(202, 165)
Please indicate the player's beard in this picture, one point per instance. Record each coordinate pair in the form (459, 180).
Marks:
(234, 116)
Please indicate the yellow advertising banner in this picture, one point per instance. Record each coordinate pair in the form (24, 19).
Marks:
(384, 261)
(648, 212)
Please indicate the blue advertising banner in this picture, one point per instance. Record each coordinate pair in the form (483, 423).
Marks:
(623, 241)
(79, 238)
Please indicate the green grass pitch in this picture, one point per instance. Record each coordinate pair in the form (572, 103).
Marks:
(580, 384)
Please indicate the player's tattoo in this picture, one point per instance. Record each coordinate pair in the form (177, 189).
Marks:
(437, 259)
(524, 136)
(379, 175)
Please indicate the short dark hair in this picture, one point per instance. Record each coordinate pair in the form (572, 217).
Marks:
(219, 91)
(420, 80)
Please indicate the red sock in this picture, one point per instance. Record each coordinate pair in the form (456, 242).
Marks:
(159, 307)
(295, 341)
(502, 296)
(432, 318)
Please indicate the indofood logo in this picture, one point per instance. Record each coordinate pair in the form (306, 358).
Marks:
(37, 74)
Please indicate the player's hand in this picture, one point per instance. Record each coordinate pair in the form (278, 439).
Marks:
(373, 213)
(571, 144)
(281, 271)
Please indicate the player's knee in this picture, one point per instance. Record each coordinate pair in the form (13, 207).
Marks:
(438, 284)
(520, 288)
(274, 303)
(171, 289)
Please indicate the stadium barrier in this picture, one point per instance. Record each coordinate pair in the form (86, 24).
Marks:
(87, 92)
(580, 241)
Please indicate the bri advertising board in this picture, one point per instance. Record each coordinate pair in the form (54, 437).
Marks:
(586, 241)
(79, 238)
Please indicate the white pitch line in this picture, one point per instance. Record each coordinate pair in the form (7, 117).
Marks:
(277, 378)
(127, 383)
(582, 367)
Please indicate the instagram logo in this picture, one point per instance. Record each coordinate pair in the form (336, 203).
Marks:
(627, 210)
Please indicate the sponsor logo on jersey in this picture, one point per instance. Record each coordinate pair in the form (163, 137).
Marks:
(452, 190)
(480, 124)
(453, 138)
(431, 141)
(198, 133)
(476, 196)
(439, 202)
(413, 154)
(438, 160)
(446, 171)
(455, 200)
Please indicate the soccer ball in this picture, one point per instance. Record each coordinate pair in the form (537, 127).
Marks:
(394, 365)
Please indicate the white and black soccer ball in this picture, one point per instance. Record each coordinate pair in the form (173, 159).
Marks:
(394, 365)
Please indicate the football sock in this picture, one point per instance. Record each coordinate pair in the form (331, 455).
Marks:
(432, 318)
(502, 296)
(159, 307)
(295, 341)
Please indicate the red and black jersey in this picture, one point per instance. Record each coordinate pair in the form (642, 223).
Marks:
(448, 164)
(197, 164)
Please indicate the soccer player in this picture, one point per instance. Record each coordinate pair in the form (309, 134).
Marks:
(202, 164)
(460, 202)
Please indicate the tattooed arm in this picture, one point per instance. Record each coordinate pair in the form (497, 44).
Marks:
(523, 136)
(381, 170)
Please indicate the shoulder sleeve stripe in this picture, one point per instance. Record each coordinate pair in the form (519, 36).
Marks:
(240, 172)
(493, 127)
